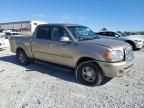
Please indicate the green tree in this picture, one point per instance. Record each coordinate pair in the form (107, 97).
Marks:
(104, 29)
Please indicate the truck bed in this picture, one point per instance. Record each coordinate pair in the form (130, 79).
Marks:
(21, 42)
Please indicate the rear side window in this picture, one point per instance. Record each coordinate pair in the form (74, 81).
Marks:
(99, 33)
(14, 33)
(8, 33)
(44, 32)
(111, 34)
(106, 33)
(103, 33)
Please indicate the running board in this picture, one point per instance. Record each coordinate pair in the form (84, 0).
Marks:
(55, 66)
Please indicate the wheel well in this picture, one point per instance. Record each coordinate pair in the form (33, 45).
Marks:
(19, 49)
(131, 43)
(83, 59)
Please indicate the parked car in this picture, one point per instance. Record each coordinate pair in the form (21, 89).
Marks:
(4, 42)
(141, 37)
(12, 33)
(136, 42)
(76, 47)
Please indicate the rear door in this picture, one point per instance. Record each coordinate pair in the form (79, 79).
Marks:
(40, 43)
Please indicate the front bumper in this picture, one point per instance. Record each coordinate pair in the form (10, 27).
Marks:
(139, 44)
(115, 69)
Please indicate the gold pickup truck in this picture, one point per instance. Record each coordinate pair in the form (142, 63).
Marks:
(77, 47)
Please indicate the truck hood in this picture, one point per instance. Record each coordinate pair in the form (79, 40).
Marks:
(113, 44)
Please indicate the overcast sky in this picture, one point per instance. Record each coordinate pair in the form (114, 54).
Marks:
(124, 15)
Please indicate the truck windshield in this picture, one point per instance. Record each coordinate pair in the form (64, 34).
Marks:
(82, 33)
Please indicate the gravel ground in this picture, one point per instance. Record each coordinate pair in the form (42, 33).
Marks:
(37, 86)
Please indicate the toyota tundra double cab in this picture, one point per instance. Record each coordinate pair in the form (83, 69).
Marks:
(75, 46)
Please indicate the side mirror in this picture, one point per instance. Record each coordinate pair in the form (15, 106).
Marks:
(65, 39)
(117, 36)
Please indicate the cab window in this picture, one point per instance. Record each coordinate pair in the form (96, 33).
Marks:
(111, 34)
(58, 33)
(104, 33)
(44, 32)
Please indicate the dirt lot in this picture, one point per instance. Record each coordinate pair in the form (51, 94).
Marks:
(37, 86)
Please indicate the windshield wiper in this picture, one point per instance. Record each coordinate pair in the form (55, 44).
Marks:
(81, 39)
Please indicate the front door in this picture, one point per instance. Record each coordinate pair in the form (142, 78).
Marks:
(61, 52)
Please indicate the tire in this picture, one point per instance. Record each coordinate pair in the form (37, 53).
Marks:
(93, 77)
(22, 58)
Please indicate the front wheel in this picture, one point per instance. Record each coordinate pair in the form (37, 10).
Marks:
(90, 74)
(22, 58)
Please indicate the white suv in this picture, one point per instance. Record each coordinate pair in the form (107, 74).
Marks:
(4, 42)
(136, 42)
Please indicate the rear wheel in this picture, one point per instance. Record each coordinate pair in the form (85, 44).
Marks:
(22, 58)
(90, 74)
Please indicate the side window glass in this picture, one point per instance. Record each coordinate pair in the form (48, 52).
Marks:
(111, 34)
(105, 34)
(8, 33)
(44, 32)
(58, 32)
(99, 33)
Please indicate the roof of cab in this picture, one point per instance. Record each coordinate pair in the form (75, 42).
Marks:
(62, 24)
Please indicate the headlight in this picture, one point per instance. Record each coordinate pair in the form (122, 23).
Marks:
(113, 56)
